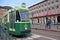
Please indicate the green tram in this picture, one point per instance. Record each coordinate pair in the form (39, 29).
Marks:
(17, 21)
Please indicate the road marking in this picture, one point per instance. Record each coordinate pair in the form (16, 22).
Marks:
(29, 38)
(48, 37)
(35, 36)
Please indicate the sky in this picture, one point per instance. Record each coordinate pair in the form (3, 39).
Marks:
(14, 3)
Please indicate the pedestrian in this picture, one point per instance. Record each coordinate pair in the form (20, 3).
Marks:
(48, 24)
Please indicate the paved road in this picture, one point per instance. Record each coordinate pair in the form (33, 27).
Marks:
(47, 34)
(35, 37)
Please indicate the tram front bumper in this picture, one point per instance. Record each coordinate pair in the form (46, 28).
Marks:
(26, 32)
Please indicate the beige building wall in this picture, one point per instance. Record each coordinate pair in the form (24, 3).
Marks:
(3, 10)
(42, 9)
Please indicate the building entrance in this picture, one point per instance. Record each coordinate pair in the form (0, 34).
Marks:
(58, 19)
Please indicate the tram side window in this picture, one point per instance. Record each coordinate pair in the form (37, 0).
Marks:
(12, 19)
(17, 16)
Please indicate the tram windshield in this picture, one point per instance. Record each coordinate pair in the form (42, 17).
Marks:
(24, 15)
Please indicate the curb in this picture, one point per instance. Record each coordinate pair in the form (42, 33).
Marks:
(46, 29)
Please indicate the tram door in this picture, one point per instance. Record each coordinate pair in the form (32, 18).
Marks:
(12, 19)
(18, 16)
(58, 19)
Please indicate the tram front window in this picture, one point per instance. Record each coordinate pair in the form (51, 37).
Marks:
(17, 16)
(24, 15)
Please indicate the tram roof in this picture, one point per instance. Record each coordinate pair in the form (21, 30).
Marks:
(23, 7)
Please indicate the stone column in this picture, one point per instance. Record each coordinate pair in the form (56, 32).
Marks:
(56, 19)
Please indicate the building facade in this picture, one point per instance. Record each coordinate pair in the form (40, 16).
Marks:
(47, 9)
(3, 10)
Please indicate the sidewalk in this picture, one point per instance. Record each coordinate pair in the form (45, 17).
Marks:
(42, 27)
(54, 33)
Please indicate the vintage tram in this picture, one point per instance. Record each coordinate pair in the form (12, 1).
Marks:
(17, 21)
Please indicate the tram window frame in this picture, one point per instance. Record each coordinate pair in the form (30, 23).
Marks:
(18, 18)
